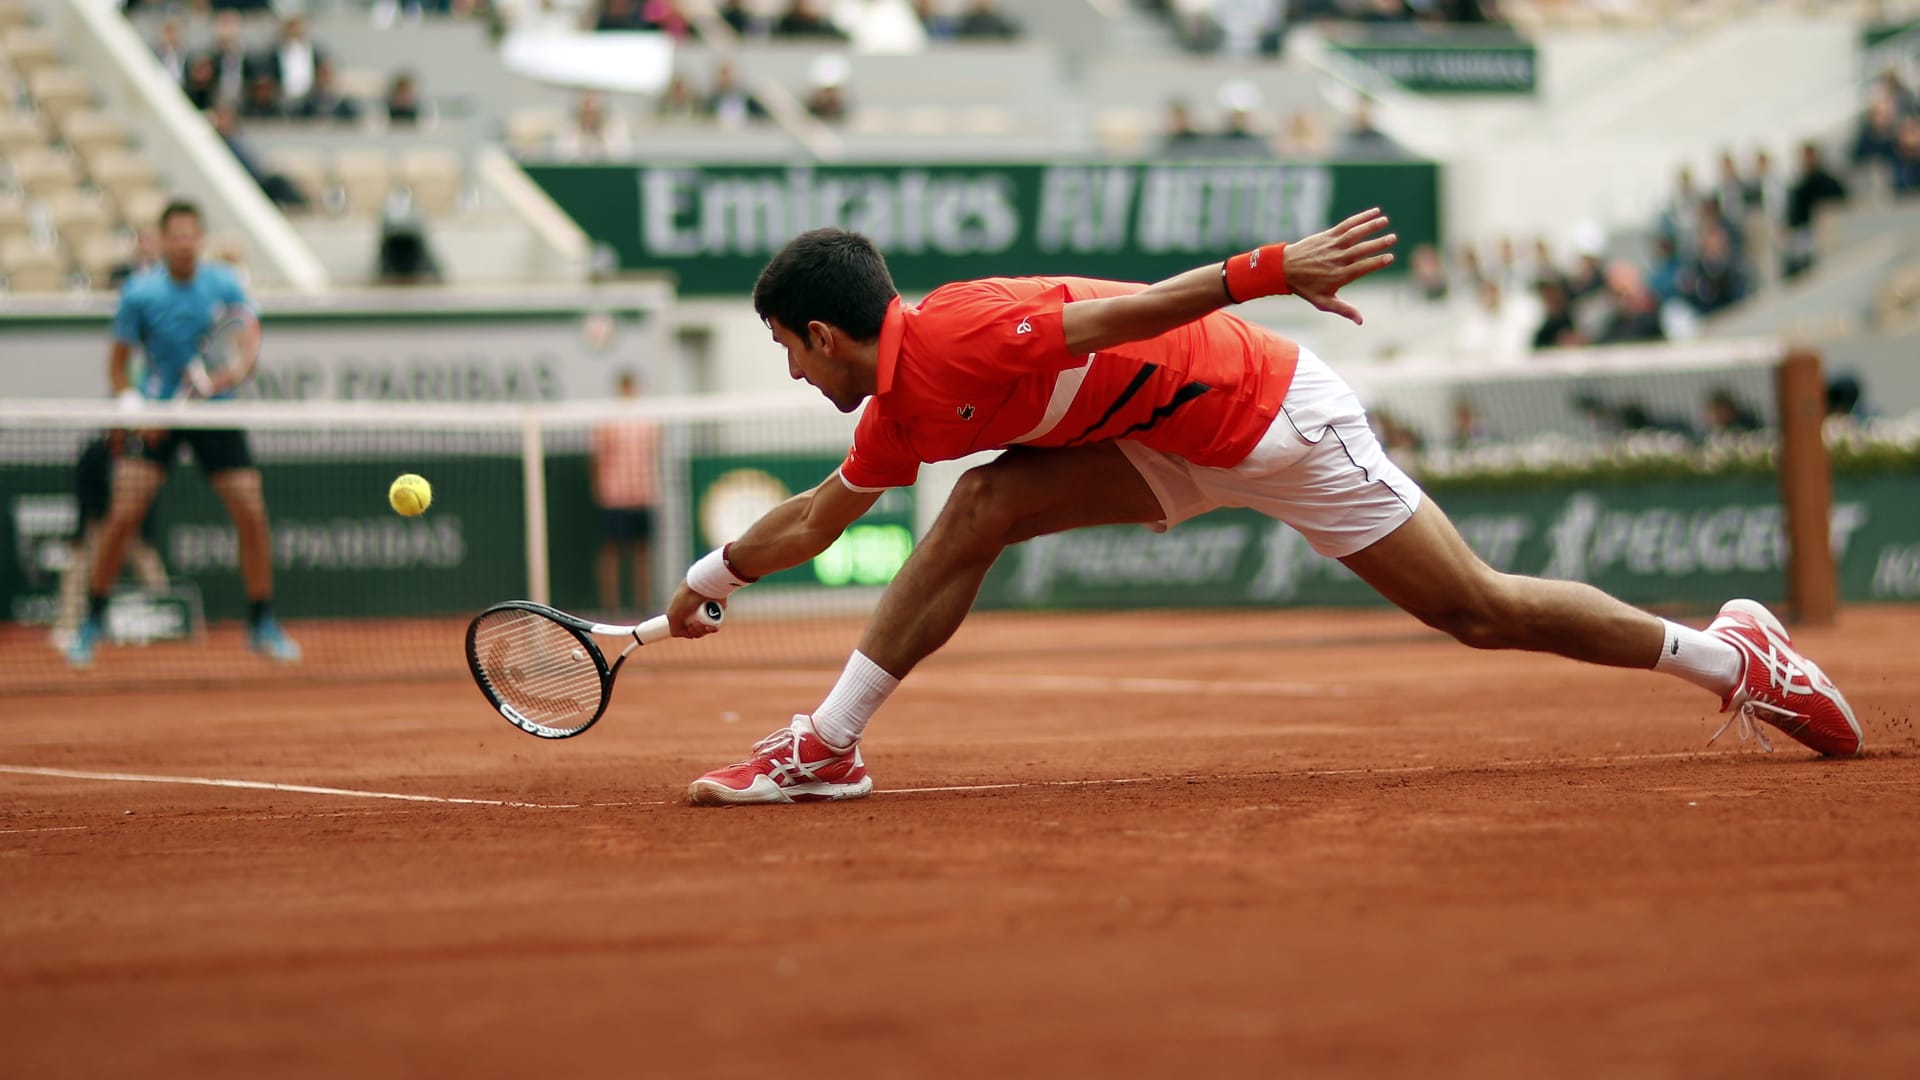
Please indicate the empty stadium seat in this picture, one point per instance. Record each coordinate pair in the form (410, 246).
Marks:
(14, 220)
(42, 173)
(118, 171)
(32, 267)
(79, 217)
(60, 91)
(140, 206)
(100, 255)
(20, 132)
(433, 177)
(30, 49)
(306, 168)
(89, 132)
(363, 176)
(531, 131)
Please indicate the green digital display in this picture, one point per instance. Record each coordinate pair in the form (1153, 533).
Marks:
(865, 555)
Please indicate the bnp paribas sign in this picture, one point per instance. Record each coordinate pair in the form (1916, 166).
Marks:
(715, 226)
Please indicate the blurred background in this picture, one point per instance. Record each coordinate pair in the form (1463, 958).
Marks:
(1615, 217)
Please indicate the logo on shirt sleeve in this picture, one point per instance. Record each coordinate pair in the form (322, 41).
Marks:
(1025, 327)
(965, 411)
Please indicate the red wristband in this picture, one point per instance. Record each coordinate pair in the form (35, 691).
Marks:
(1260, 272)
(728, 562)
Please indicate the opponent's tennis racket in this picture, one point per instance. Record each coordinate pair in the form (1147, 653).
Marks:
(219, 352)
(541, 669)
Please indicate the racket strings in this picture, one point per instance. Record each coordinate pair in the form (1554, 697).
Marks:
(537, 666)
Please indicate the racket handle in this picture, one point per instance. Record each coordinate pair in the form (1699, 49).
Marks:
(659, 629)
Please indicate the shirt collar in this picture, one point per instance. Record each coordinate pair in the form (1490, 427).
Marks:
(892, 329)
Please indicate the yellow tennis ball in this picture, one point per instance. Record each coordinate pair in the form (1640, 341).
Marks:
(410, 495)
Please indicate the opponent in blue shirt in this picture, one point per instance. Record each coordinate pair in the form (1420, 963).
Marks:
(168, 313)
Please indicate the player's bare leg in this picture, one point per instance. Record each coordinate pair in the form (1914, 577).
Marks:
(1020, 495)
(135, 482)
(246, 502)
(1745, 656)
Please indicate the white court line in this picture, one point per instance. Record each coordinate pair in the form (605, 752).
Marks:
(50, 828)
(262, 785)
(1391, 770)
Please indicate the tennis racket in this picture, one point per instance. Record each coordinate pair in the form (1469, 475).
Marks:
(219, 352)
(541, 669)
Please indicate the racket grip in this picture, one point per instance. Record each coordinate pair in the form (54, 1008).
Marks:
(659, 629)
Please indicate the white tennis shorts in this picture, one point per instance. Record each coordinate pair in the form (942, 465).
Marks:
(1318, 468)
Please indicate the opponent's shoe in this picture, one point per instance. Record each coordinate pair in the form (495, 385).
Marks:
(267, 639)
(80, 646)
(791, 765)
(1780, 686)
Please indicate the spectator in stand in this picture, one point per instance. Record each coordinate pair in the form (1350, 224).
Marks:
(263, 98)
(1362, 141)
(1715, 280)
(802, 21)
(171, 50)
(1543, 266)
(982, 21)
(1680, 221)
(231, 64)
(202, 85)
(1556, 329)
(1843, 398)
(1304, 137)
(731, 103)
(1428, 276)
(324, 101)
(618, 15)
(1180, 133)
(1815, 189)
(1471, 273)
(1874, 138)
(1772, 189)
(1905, 101)
(745, 23)
(1727, 415)
(938, 26)
(1636, 310)
(226, 123)
(827, 98)
(403, 101)
(1739, 196)
(593, 135)
(678, 102)
(1239, 139)
(1664, 271)
(292, 60)
(1496, 329)
(1906, 159)
(880, 27)
(1468, 431)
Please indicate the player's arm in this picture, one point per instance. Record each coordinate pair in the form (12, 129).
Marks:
(1314, 269)
(248, 340)
(785, 536)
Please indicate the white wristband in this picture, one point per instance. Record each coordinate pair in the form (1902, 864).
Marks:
(129, 399)
(710, 576)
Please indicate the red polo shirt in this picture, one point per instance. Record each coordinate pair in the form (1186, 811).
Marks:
(982, 365)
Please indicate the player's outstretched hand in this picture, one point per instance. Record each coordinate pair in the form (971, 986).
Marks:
(1319, 266)
(683, 613)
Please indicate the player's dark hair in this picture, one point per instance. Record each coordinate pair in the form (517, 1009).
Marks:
(827, 275)
(177, 207)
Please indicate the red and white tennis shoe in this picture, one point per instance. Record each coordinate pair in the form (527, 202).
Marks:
(791, 765)
(1781, 687)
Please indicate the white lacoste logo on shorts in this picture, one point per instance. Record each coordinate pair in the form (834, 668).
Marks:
(1253, 258)
(1025, 327)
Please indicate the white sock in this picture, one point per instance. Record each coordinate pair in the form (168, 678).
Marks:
(863, 687)
(1700, 658)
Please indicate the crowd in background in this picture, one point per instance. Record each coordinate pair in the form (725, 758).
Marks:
(1259, 27)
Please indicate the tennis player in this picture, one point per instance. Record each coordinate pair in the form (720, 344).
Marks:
(167, 311)
(1122, 403)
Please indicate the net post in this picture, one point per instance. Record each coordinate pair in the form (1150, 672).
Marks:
(533, 470)
(1806, 489)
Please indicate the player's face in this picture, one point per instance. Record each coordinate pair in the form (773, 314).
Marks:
(180, 243)
(812, 361)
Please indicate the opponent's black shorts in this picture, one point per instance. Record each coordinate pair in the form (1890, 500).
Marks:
(216, 450)
(633, 525)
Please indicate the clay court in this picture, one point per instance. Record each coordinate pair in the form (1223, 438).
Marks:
(1212, 844)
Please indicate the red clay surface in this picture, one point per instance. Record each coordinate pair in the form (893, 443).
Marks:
(1245, 845)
